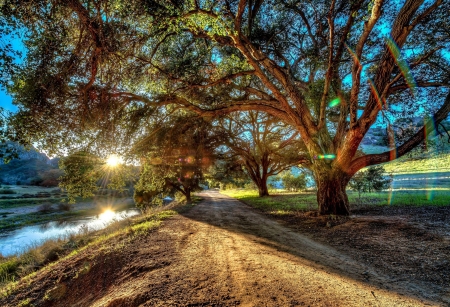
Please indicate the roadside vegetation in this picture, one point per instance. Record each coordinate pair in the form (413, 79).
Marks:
(282, 202)
(403, 189)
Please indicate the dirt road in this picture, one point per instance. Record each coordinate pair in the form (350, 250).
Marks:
(223, 253)
(228, 254)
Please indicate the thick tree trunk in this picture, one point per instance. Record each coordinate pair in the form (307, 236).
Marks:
(262, 188)
(188, 195)
(331, 195)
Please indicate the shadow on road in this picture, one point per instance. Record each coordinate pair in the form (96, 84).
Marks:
(235, 217)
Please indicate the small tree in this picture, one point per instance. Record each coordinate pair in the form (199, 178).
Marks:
(358, 182)
(264, 145)
(373, 179)
(293, 183)
(175, 155)
(376, 179)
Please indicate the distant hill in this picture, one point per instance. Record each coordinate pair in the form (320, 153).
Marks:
(376, 139)
(31, 168)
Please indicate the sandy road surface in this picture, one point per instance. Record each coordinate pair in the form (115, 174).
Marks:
(225, 254)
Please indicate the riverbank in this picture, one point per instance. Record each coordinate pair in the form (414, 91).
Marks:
(16, 271)
(28, 205)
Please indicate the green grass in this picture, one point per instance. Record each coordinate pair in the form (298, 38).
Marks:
(279, 203)
(440, 163)
(27, 202)
(285, 203)
(402, 198)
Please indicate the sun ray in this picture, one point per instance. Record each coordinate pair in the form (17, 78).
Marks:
(402, 65)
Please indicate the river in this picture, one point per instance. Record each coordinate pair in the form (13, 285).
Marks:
(19, 240)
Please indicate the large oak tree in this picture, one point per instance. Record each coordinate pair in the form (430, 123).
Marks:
(329, 68)
(265, 146)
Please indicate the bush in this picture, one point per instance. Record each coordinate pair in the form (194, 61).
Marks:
(292, 183)
(7, 191)
(45, 207)
(8, 268)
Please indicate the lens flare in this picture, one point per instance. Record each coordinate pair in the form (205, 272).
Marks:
(390, 197)
(355, 57)
(392, 143)
(402, 65)
(334, 102)
(431, 181)
(325, 157)
(107, 215)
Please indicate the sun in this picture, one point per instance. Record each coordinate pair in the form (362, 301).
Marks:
(113, 161)
(107, 215)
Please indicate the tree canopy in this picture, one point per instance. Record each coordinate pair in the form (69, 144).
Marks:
(175, 157)
(96, 71)
(264, 145)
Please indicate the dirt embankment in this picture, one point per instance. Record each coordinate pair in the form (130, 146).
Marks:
(223, 253)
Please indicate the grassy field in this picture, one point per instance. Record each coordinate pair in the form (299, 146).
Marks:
(281, 202)
(406, 165)
(421, 182)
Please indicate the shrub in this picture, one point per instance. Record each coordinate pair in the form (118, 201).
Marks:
(292, 183)
(8, 268)
(64, 207)
(45, 207)
(373, 179)
(7, 191)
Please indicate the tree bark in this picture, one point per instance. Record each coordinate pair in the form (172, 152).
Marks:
(188, 195)
(262, 188)
(331, 195)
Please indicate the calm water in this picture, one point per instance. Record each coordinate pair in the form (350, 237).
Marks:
(20, 240)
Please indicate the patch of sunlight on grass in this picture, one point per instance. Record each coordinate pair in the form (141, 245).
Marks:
(284, 202)
(435, 164)
(280, 212)
(144, 227)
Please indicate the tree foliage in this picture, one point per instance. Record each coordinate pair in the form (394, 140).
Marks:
(175, 155)
(293, 183)
(84, 173)
(371, 180)
(264, 145)
(97, 70)
(226, 172)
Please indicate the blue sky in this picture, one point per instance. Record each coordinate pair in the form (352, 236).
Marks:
(16, 41)
(6, 101)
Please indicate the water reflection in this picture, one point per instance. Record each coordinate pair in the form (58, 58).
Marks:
(20, 240)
